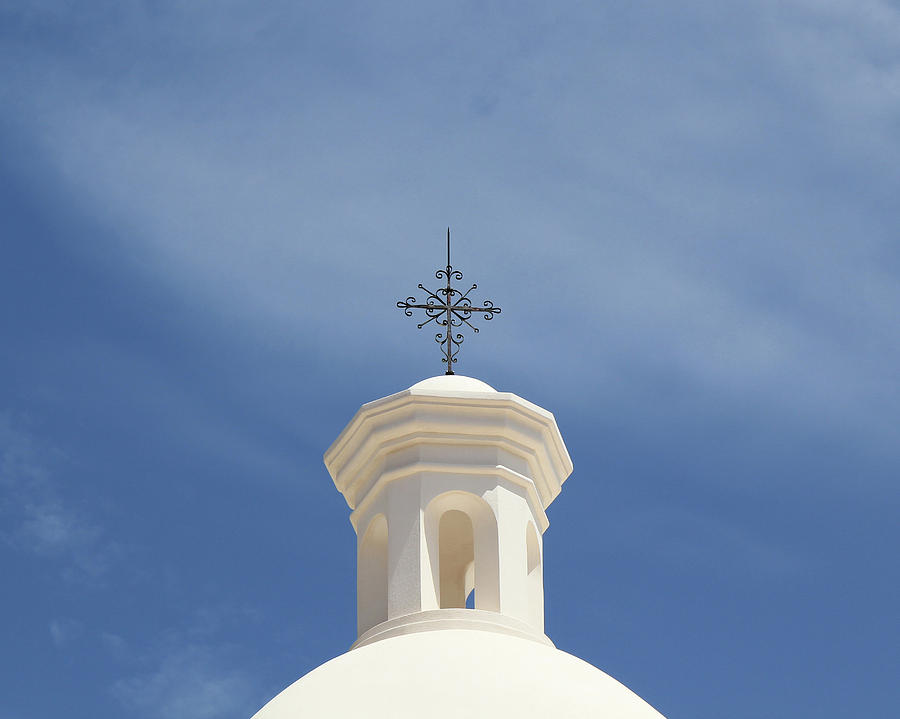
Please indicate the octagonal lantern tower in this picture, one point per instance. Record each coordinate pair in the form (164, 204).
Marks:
(449, 481)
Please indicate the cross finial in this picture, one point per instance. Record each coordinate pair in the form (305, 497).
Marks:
(450, 308)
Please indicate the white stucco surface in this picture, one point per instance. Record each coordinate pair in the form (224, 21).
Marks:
(449, 481)
(456, 673)
(453, 383)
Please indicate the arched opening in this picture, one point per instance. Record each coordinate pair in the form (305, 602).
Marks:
(372, 575)
(534, 580)
(461, 531)
(456, 542)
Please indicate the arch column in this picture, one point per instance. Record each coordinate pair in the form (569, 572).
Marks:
(513, 517)
(372, 575)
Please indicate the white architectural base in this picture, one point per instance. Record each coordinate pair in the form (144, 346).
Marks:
(438, 619)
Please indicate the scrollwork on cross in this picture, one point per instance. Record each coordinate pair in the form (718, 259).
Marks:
(450, 309)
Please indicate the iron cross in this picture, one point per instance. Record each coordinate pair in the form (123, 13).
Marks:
(451, 308)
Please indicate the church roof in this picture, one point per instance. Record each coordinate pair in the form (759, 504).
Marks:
(453, 673)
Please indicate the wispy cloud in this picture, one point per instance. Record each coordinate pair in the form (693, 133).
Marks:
(64, 630)
(845, 53)
(205, 206)
(115, 644)
(687, 211)
(40, 521)
(189, 681)
(193, 672)
(691, 540)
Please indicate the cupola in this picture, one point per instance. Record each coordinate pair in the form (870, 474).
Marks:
(448, 483)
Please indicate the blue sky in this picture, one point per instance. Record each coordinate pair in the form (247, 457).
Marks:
(687, 212)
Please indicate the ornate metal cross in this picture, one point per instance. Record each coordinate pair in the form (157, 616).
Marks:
(451, 308)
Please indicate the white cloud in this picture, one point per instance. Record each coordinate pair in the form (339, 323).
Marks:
(41, 521)
(686, 212)
(845, 55)
(63, 631)
(193, 671)
(114, 644)
(190, 681)
(50, 529)
(687, 539)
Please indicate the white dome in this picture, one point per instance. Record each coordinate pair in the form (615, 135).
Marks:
(453, 383)
(453, 673)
